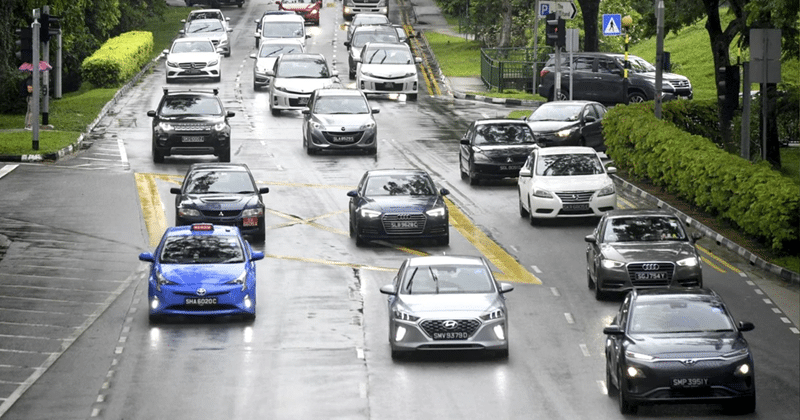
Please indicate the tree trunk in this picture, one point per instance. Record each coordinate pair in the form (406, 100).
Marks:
(590, 10)
(505, 28)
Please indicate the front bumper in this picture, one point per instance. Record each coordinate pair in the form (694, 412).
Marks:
(496, 170)
(556, 207)
(289, 100)
(624, 279)
(369, 84)
(338, 140)
(219, 300)
(411, 336)
(383, 227)
(189, 143)
(183, 72)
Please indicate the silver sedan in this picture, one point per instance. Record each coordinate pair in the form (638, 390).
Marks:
(447, 303)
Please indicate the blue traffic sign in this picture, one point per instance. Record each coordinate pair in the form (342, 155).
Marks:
(612, 24)
(544, 9)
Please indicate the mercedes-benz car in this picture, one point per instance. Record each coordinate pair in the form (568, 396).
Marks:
(678, 346)
(637, 249)
(569, 123)
(447, 303)
(398, 204)
(191, 122)
(222, 194)
(339, 119)
(202, 270)
(293, 79)
(213, 29)
(387, 68)
(192, 59)
(565, 181)
(268, 53)
(206, 14)
(494, 148)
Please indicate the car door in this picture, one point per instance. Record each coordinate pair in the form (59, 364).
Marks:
(525, 182)
(593, 249)
(582, 78)
(465, 147)
(591, 126)
(614, 342)
(608, 81)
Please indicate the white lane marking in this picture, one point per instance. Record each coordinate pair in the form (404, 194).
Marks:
(750, 283)
(776, 310)
(536, 269)
(123, 155)
(5, 170)
(794, 330)
(570, 319)
(584, 349)
(786, 320)
(742, 274)
(603, 389)
(360, 353)
(555, 292)
(759, 292)
(768, 302)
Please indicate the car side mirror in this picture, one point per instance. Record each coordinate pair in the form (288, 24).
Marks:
(256, 255)
(174, 190)
(253, 56)
(611, 170)
(270, 72)
(697, 236)
(306, 111)
(356, 59)
(352, 193)
(746, 326)
(182, 32)
(230, 114)
(525, 173)
(147, 256)
(183, 20)
(151, 113)
(464, 140)
(308, 36)
(376, 110)
(590, 118)
(165, 52)
(506, 287)
(347, 44)
(417, 60)
(230, 29)
(590, 239)
(444, 191)
(388, 290)
(613, 330)
(263, 190)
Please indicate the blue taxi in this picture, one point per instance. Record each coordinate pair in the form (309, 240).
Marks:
(202, 270)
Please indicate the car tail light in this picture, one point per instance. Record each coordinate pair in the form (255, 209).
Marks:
(543, 72)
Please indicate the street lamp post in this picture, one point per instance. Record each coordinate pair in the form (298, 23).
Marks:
(627, 23)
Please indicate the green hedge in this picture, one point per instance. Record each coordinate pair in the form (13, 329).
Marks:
(118, 60)
(753, 196)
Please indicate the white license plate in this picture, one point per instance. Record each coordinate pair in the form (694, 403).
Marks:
(201, 301)
(689, 382)
(651, 276)
(343, 139)
(401, 225)
(193, 139)
(450, 336)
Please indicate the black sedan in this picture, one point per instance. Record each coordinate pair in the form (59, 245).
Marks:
(641, 249)
(569, 123)
(678, 346)
(398, 204)
(494, 148)
(222, 194)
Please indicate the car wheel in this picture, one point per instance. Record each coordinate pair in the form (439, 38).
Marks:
(563, 95)
(352, 75)
(261, 235)
(225, 155)
(360, 241)
(464, 175)
(522, 211)
(589, 280)
(625, 405)
(155, 319)
(218, 79)
(275, 111)
(473, 180)
(255, 86)
(598, 293)
(532, 220)
(636, 97)
(257, 42)
(352, 230)
(411, 97)
(397, 355)
(609, 385)
(228, 54)
(501, 354)
(372, 151)
(158, 156)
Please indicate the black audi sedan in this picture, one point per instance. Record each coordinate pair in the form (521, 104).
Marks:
(678, 346)
(222, 194)
(494, 148)
(398, 204)
(569, 123)
(634, 248)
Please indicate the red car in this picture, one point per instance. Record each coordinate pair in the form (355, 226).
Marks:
(309, 11)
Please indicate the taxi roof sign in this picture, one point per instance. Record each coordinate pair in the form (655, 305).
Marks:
(204, 227)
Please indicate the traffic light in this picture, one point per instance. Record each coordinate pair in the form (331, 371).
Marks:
(728, 90)
(24, 45)
(556, 31)
(49, 24)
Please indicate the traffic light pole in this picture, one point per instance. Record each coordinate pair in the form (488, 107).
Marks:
(46, 76)
(35, 63)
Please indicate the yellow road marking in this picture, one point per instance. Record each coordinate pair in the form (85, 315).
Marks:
(720, 260)
(152, 209)
(712, 265)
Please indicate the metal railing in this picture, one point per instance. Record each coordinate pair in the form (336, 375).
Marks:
(511, 68)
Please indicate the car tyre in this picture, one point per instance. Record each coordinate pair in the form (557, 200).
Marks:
(261, 235)
(464, 174)
(397, 355)
(444, 241)
(155, 319)
(589, 280)
(501, 354)
(636, 97)
(473, 180)
(609, 384)
(531, 219)
(248, 317)
(158, 156)
(522, 211)
(563, 95)
(625, 405)
(599, 295)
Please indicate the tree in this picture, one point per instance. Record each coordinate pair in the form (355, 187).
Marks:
(590, 10)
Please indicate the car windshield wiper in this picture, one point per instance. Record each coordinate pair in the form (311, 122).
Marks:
(411, 280)
(435, 279)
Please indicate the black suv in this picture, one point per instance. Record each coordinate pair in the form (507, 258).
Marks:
(191, 122)
(222, 194)
(598, 77)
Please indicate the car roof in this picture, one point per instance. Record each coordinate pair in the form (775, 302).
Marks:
(378, 45)
(570, 102)
(339, 92)
(188, 91)
(445, 260)
(192, 12)
(638, 212)
(301, 57)
(219, 165)
(374, 28)
(187, 229)
(192, 39)
(660, 293)
(198, 21)
(282, 17)
(566, 150)
(487, 121)
(368, 15)
(396, 171)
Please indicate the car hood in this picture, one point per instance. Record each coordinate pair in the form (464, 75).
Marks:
(193, 56)
(200, 274)
(665, 76)
(302, 85)
(505, 150)
(192, 118)
(210, 35)
(265, 63)
(550, 126)
(388, 70)
(220, 201)
(402, 204)
(648, 251)
(345, 122)
(451, 305)
(573, 183)
(683, 346)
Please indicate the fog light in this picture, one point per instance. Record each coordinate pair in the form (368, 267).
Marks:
(247, 302)
(743, 369)
(154, 303)
(400, 333)
(633, 372)
(499, 332)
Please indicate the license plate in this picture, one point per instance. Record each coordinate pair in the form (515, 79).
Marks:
(651, 276)
(576, 206)
(401, 225)
(343, 139)
(193, 139)
(201, 301)
(302, 101)
(450, 336)
(510, 168)
(250, 221)
(689, 382)
(192, 71)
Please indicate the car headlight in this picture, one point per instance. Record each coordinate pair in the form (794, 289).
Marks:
(436, 212)
(213, 63)
(541, 193)
(612, 264)
(743, 369)
(317, 126)
(607, 190)
(242, 279)
(281, 88)
(257, 212)
(367, 126)
(479, 156)
(565, 132)
(689, 262)
(165, 126)
(639, 356)
(736, 354)
(404, 316)
(186, 212)
(171, 64)
(496, 314)
(161, 280)
(369, 214)
(633, 372)
(220, 126)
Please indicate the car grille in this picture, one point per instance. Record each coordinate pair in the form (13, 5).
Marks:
(221, 213)
(680, 83)
(343, 137)
(660, 274)
(431, 326)
(575, 196)
(298, 102)
(389, 86)
(192, 127)
(404, 224)
(194, 65)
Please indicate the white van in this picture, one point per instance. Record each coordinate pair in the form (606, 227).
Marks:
(286, 26)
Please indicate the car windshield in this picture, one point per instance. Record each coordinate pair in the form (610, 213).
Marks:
(361, 39)
(205, 15)
(637, 65)
(389, 56)
(197, 105)
(569, 165)
(341, 105)
(310, 69)
(211, 182)
(370, 20)
(685, 315)
(202, 249)
(282, 30)
(194, 46)
(643, 229)
(447, 279)
(412, 184)
(274, 50)
(488, 134)
(557, 113)
(196, 26)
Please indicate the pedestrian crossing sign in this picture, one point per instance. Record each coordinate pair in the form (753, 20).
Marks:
(612, 24)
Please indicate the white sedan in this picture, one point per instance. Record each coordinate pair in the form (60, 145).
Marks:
(293, 79)
(565, 181)
(387, 68)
